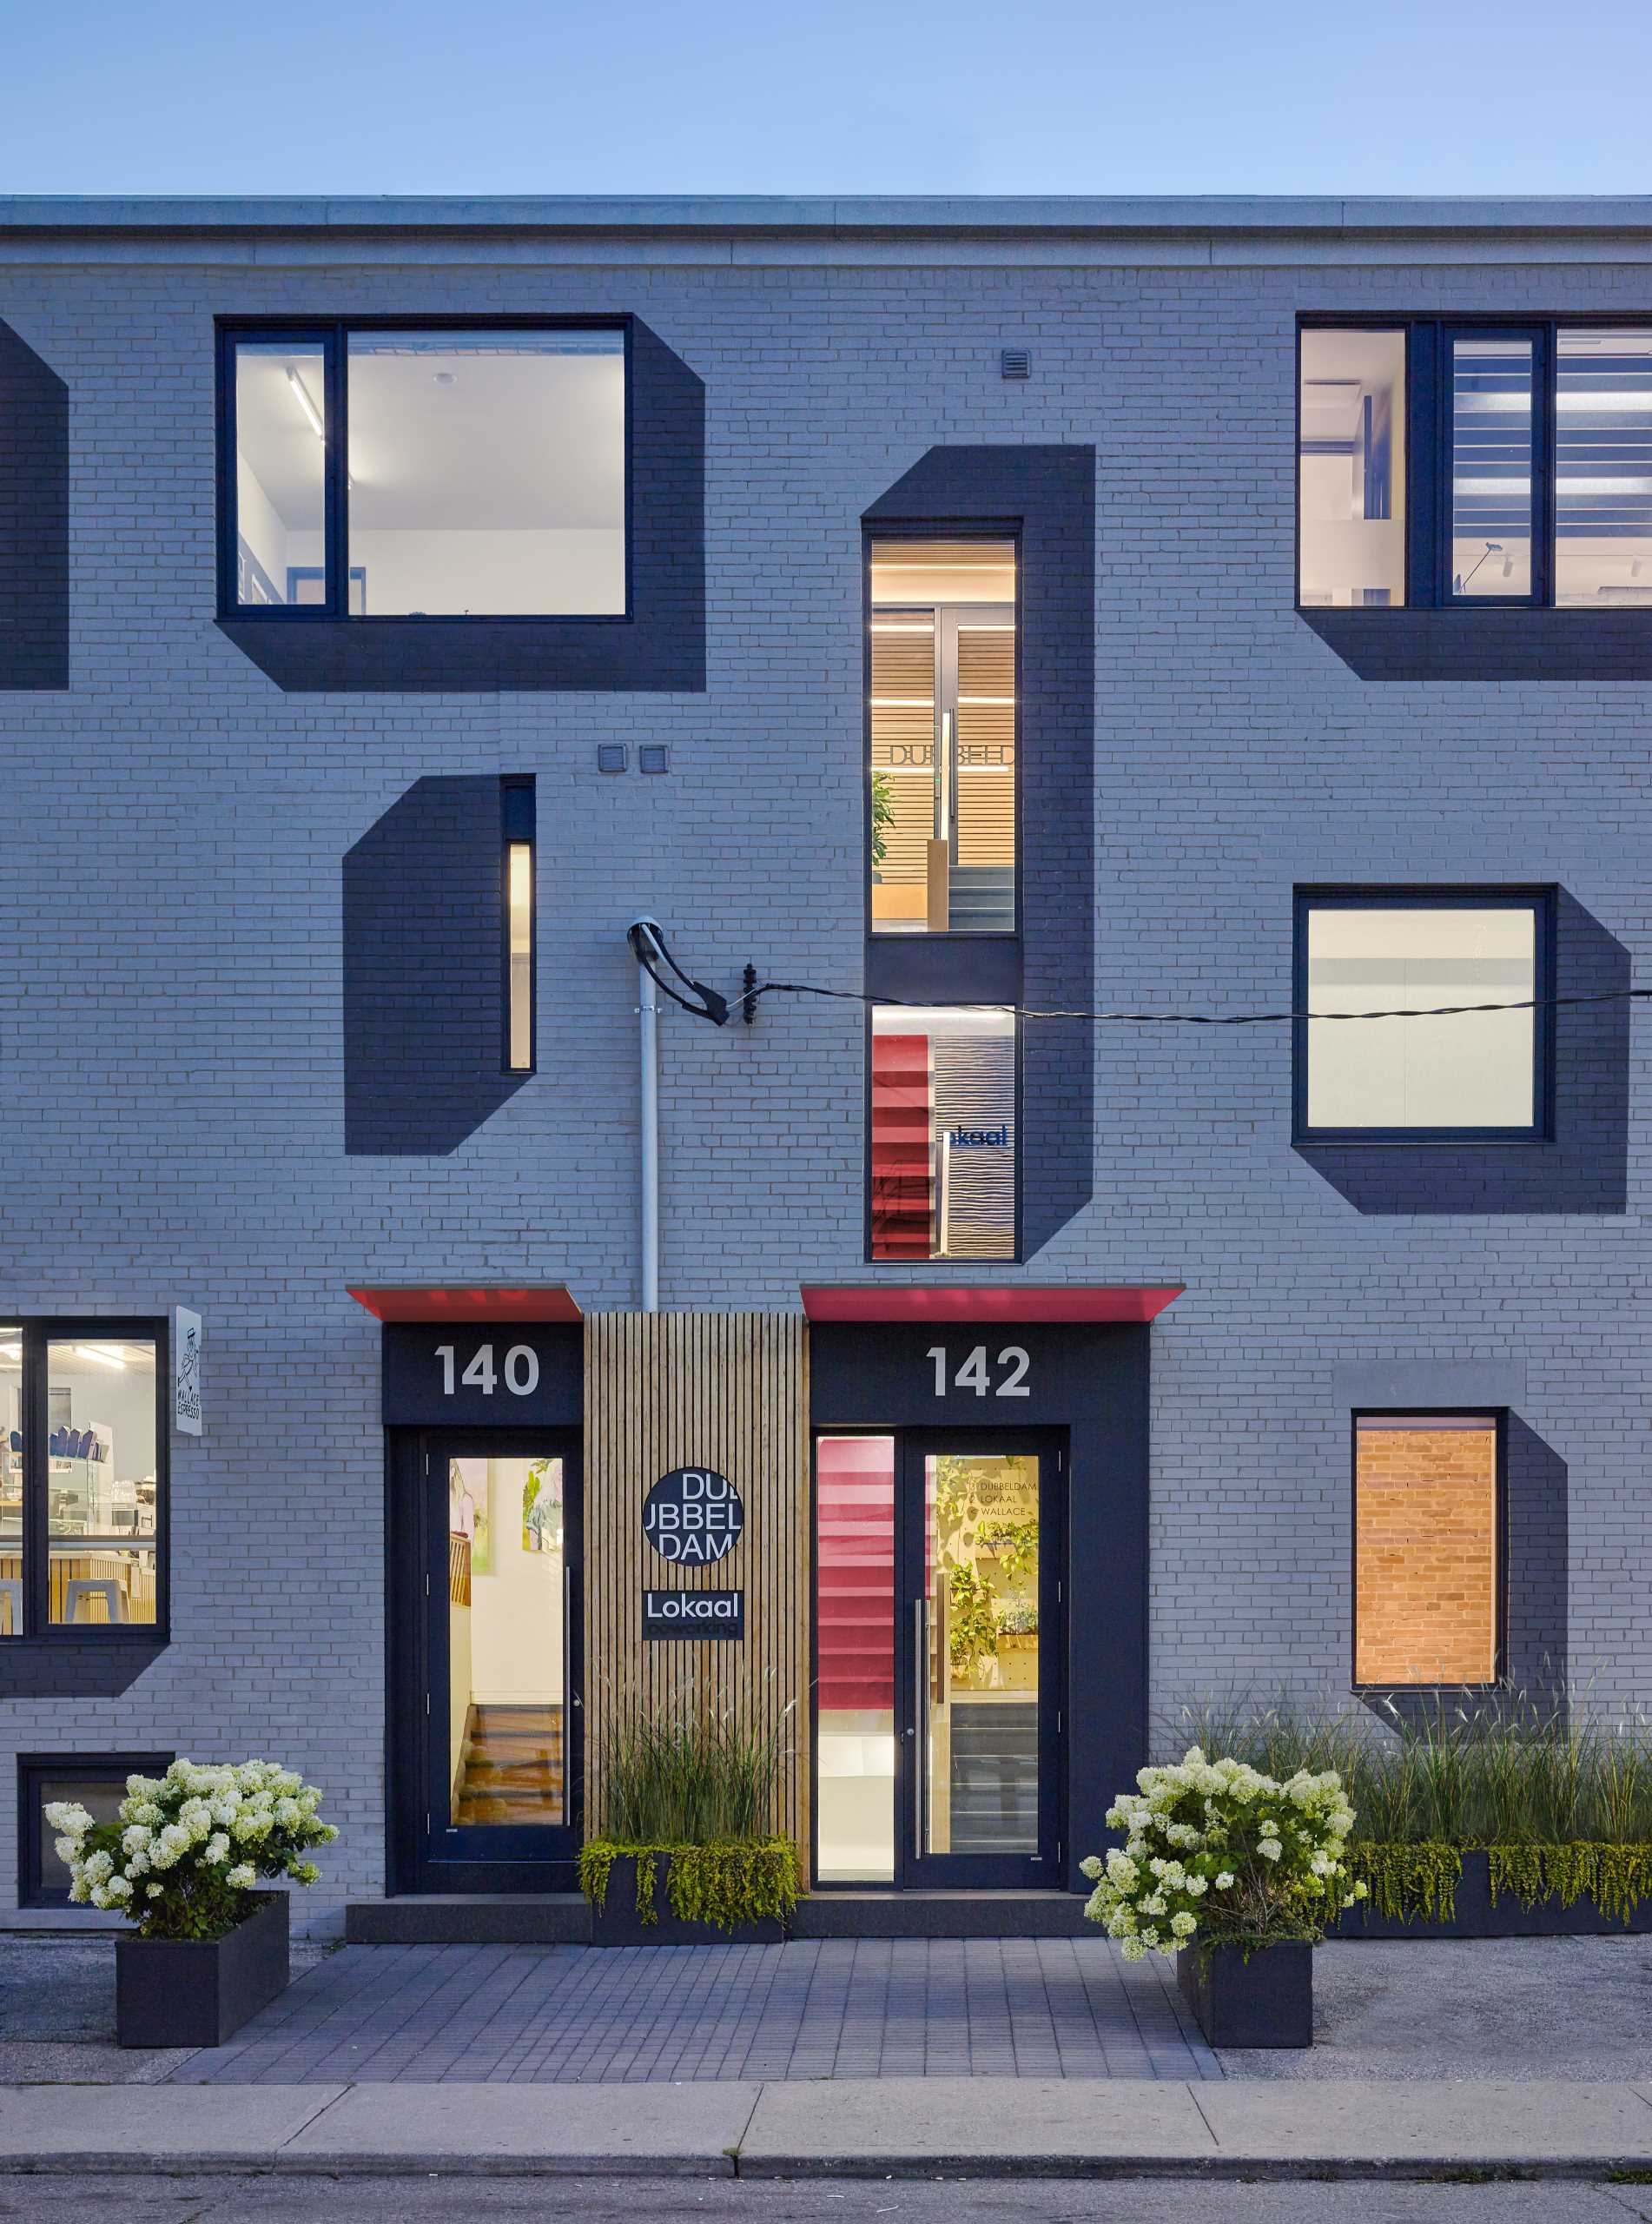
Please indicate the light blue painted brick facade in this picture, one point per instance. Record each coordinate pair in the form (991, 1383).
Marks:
(171, 832)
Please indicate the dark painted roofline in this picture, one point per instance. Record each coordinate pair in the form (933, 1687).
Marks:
(852, 216)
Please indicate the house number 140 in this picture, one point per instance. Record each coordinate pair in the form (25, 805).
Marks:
(973, 1375)
(521, 1370)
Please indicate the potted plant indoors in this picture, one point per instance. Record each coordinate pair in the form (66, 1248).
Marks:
(687, 1853)
(1237, 1874)
(182, 1859)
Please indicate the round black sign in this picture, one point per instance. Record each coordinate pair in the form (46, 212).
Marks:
(693, 1516)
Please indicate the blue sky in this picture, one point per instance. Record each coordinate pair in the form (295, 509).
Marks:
(869, 95)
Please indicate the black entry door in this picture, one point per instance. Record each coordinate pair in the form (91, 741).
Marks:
(979, 1710)
(491, 1757)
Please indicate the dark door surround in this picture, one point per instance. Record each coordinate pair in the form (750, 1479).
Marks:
(416, 1721)
(916, 1870)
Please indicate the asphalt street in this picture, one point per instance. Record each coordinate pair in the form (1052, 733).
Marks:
(637, 2201)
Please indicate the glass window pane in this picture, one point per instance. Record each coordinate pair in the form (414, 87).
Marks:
(1426, 1551)
(520, 929)
(981, 1736)
(505, 1641)
(944, 1150)
(1603, 470)
(1491, 466)
(99, 1795)
(487, 472)
(943, 730)
(281, 451)
(1474, 1070)
(855, 1625)
(1351, 469)
(101, 1485)
(11, 1482)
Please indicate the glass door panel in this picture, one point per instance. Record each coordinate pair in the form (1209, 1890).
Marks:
(1494, 383)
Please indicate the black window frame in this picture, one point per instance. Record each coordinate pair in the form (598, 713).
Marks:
(1017, 1257)
(1540, 901)
(518, 829)
(1428, 453)
(33, 1769)
(39, 1631)
(1446, 1415)
(330, 335)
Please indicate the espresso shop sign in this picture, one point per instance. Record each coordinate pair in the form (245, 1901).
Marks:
(693, 1516)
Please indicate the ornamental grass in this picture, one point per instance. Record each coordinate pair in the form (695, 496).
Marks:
(1451, 1771)
(692, 1778)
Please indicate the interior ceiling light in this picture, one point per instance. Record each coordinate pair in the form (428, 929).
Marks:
(445, 378)
(305, 404)
(104, 1359)
(10, 1351)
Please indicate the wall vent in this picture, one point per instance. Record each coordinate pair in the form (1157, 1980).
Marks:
(1015, 362)
(653, 757)
(610, 756)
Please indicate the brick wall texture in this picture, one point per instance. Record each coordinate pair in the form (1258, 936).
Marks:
(172, 829)
(1425, 1555)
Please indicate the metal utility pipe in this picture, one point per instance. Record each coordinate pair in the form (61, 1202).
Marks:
(645, 937)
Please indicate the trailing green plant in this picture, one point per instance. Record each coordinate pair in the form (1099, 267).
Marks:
(972, 1618)
(1014, 1545)
(1408, 1883)
(720, 1885)
(692, 1778)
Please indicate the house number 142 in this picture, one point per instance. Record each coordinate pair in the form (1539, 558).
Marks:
(973, 1375)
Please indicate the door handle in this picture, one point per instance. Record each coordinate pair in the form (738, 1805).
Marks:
(919, 1704)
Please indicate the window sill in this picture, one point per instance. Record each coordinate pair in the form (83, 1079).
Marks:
(471, 655)
(1500, 643)
(87, 1666)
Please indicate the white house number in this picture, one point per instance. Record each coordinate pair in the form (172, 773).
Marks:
(521, 1370)
(973, 1375)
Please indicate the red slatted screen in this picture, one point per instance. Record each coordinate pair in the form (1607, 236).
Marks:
(855, 1572)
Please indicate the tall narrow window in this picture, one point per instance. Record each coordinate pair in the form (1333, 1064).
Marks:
(1448, 1071)
(1350, 471)
(281, 472)
(855, 1626)
(1493, 474)
(944, 1140)
(1426, 1550)
(11, 1491)
(943, 728)
(1604, 469)
(516, 797)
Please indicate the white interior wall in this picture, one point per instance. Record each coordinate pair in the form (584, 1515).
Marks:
(516, 1609)
(444, 572)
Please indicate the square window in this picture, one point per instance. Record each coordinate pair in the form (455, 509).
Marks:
(1425, 1070)
(945, 1149)
(1427, 1526)
(94, 1781)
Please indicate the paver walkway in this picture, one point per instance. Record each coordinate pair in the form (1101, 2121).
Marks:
(568, 2014)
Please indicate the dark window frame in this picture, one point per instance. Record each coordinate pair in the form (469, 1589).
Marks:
(32, 1768)
(1540, 901)
(331, 335)
(39, 1631)
(518, 827)
(1428, 452)
(983, 529)
(1017, 1257)
(1498, 1415)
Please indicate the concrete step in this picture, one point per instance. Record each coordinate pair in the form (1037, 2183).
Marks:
(563, 1918)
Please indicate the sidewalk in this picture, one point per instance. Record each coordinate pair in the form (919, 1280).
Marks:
(971, 2126)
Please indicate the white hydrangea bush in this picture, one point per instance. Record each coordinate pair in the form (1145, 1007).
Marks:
(187, 1850)
(1216, 1851)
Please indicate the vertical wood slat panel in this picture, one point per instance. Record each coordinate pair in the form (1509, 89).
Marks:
(726, 1391)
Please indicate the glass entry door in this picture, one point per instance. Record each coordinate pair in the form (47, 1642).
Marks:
(978, 1694)
(501, 1534)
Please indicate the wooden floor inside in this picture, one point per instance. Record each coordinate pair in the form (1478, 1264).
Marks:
(513, 1766)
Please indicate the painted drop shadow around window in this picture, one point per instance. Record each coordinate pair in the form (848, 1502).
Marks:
(34, 520)
(1583, 1169)
(424, 1018)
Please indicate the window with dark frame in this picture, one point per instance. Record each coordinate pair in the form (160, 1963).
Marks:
(423, 471)
(944, 1144)
(1475, 464)
(1444, 1073)
(517, 828)
(94, 1781)
(82, 1481)
(1428, 1550)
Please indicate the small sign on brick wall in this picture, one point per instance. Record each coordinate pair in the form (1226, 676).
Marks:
(185, 1371)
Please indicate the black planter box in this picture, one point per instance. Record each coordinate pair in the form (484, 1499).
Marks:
(1264, 2002)
(618, 1923)
(196, 1992)
(1476, 1916)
